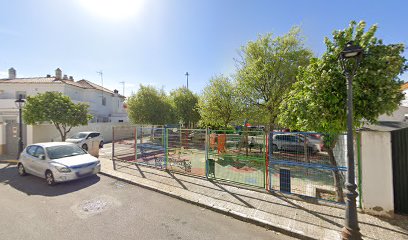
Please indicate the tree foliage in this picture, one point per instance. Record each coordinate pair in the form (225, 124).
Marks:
(218, 105)
(185, 105)
(58, 109)
(318, 100)
(150, 106)
(266, 71)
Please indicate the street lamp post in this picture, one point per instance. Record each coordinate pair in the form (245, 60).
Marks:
(350, 59)
(20, 103)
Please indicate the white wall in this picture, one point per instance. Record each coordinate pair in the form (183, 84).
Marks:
(48, 132)
(376, 173)
(2, 138)
(91, 96)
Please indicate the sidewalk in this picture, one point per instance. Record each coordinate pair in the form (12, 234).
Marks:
(8, 159)
(297, 218)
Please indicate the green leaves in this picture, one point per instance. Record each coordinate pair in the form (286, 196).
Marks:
(185, 105)
(150, 106)
(267, 70)
(317, 101)
(219, 105)
(56, 108)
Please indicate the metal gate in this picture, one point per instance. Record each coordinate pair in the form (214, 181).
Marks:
(237, 157)
(301, 163)
(12, 132)
(175, 149)
(186, 150)
(399, 140)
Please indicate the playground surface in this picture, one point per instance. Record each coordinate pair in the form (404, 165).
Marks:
(277, 211)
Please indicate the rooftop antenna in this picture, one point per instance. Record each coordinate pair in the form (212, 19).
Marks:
(187, 74)
(101, 74)
(123, 83)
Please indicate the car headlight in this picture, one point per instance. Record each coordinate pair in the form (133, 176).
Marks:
(62, 169)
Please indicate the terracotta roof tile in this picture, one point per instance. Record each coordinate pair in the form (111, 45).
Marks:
(404, 86)
(85, 84)
(30, 80)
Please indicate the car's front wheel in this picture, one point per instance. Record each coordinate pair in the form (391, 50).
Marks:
(85, 147)
(101, 144)
(21, 170)
(49, 177)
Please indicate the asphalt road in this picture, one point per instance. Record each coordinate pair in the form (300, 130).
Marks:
(100, 208)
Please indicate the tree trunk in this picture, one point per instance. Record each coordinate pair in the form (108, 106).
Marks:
(336, 174)
(60, 131)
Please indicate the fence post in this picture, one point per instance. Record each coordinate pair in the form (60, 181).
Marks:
(266, 144)
(135, 133)
(113, 148)
(166, 151)
(270, 158)
(206, 152)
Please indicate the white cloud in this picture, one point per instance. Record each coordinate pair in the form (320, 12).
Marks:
(3, 74)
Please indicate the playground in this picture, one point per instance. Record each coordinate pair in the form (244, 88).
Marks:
(236, 157)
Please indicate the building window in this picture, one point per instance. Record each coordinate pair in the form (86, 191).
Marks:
(120, 120)
(104, 101)
(22, 93)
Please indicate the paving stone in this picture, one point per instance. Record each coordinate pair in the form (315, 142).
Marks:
(276, 210)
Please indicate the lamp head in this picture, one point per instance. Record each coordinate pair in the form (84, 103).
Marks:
(19, 102)
(351, 50)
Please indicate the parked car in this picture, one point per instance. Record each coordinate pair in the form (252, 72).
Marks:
(86, 139)
(197, 135)
(316, 139)
(57, 162)
(293, 142)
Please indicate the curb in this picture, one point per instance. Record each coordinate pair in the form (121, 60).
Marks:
(225, 211)
(9, 161)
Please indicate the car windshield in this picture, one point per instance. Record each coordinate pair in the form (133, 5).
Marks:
(62, 151)
(79, 136)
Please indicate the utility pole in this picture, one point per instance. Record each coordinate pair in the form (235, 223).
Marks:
(187, 74)
(123, 83)
(101, 74)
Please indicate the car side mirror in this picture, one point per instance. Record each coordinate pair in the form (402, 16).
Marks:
(41, 156)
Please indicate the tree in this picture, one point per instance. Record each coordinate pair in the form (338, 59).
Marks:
(58, 109)
(266, 71)
(185, 105)
(150, 106)
(218, 104)
(318, 100)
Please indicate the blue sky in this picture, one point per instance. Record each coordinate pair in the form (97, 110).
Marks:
(156, 41)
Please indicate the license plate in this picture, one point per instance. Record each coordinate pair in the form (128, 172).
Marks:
(85, 171)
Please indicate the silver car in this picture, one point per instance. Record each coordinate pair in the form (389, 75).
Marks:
(87, 140)
(57, 162)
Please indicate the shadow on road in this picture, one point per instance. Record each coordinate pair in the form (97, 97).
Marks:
(32, 185)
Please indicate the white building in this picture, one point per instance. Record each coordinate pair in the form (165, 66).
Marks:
(104, 105)
(404, 89)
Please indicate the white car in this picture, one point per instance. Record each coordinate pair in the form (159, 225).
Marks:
(57, 162)
(86, 140)
(293, 142)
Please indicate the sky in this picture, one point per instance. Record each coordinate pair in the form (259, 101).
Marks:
(155, 42)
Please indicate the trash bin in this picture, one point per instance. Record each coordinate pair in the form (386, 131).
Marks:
(211, 168)
(93, 149)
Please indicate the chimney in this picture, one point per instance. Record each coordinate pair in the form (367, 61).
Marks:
(115, 91)
(65, 77)
(71, 78)
(58, 73)
(48, 75)
(12, 73)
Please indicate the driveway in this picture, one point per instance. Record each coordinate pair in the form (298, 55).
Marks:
(100, 207)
